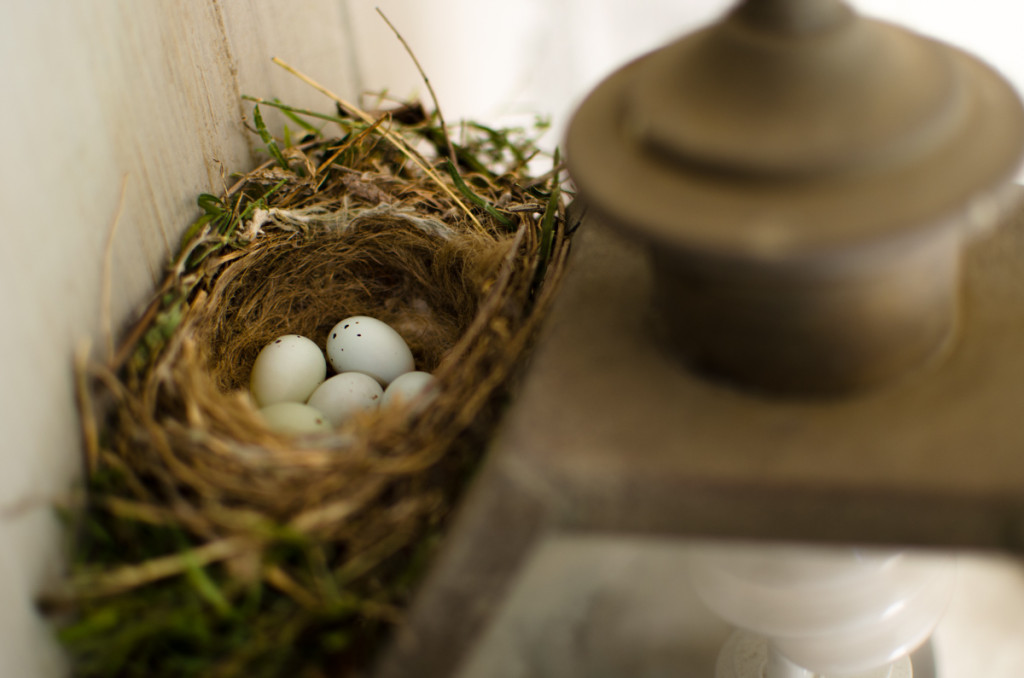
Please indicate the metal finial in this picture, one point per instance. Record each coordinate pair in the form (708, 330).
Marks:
(806, 178)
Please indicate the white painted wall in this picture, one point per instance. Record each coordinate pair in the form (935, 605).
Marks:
(91, 92)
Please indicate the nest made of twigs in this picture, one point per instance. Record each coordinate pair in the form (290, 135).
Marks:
(175, 444)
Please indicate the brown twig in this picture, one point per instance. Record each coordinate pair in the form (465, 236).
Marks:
(433, 95)
(106, 324)
(348, 144)
(131, 577)
(87, 412)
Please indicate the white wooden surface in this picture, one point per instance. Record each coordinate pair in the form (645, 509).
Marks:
(93, 92)
(588, 606)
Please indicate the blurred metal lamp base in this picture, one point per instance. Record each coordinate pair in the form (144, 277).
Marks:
(747, 655)
(790, 201)
(612, 435)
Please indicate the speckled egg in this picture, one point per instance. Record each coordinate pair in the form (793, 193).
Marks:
(287, 369)
(412, 387)
(344, 395)
(295, 418)
(367, 345)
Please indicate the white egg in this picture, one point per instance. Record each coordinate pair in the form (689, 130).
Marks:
(411, 386)
(364, 344)
(345, 395)
(295, 418)
(288, 369)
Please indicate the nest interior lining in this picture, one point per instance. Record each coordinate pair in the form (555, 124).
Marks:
(427, 286)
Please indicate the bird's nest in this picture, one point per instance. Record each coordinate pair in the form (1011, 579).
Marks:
(209, 545)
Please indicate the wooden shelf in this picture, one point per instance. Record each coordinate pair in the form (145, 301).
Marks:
(612, 434)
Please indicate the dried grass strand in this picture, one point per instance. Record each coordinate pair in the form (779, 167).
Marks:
(430, 88)
(107, 273)
(134, 576)
(390, 136)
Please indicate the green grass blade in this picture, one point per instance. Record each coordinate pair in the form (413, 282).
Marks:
(193, 230)
(337, 119)
(268, 140)
(500, 140)
(473, 197)
(436, 138)
(547, 222)
(210, 203)
(204, 585)
(291, 114)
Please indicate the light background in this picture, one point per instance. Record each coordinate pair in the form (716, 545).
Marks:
(97, 91)
(491, 59)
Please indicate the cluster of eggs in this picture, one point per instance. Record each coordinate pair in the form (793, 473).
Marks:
(374, 368)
